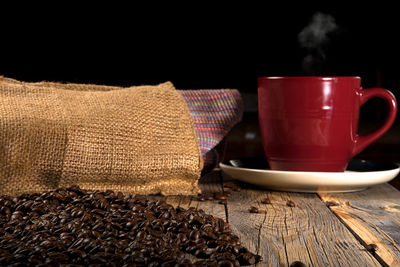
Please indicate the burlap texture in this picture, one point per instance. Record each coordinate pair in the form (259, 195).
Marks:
(134, 140)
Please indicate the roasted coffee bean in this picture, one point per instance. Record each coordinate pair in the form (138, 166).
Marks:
(201, 197)
(201, 253)
(235, 249)
(247, 258)
(297, 264)
(266, 201)
(182, 237)
(59, 196)
(16, 216)
(74, 227)
(120, 196)
(194, 235)
(207, 196)
(372, 248)
(103, 204)
(253, 209)
(226, 263)
(224, 237)
(227, 192)
(196, 220)
(231, 185)
(258, 258)
(331, 203)
(212, 243)
(290, 203)
(222, 247)
(219, 196)
(224, 255)
(223, 202)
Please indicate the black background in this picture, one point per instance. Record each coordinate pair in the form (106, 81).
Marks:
(197, 46)
(201, 45)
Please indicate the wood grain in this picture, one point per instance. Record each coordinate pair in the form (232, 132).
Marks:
(308, 232)
(311, 232)
(373, 215)
(209, 184)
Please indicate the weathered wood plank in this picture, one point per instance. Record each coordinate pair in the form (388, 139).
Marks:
(308, 232)
(208, 184)
(373, 215)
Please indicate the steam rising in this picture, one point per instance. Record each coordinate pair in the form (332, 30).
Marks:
(314, 37)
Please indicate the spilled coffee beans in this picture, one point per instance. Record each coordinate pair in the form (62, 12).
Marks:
(82, 227)
(253, 209)
(290, 203)
(297, 264)
(266, 201)
(372, 248)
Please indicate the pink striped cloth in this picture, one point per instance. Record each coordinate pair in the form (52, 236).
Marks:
(214, 113)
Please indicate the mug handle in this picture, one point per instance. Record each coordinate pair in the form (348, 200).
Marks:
(363, 141)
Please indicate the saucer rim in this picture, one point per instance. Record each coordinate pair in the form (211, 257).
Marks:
(311, 182)
(395, 166)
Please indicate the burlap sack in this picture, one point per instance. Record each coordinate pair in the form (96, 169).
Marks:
(134, 140)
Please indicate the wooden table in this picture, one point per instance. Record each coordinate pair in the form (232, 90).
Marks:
(320, 230)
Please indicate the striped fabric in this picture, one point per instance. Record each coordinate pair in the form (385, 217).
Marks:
(214, 113)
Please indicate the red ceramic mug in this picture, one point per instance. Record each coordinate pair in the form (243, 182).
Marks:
(310, 123)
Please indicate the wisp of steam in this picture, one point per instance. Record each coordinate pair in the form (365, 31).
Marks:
(314, 37)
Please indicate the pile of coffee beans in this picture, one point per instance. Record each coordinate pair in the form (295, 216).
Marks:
(76, 227)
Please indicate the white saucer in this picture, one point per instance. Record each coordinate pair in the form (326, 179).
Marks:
(359, 175)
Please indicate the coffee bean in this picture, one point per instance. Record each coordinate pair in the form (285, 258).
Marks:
(201, 253)
(209, 197)
(372, 248)
(223, 255)
(232, 185)
(205, 197)
(253, 209)
(227, 192)
(331, 203)
(59, 196)
(194, 235)
(247, 258)
(266, 201)
(182, 237)
(297, 264)
(219, 196)
(228, 185)
(223, 202)
(226, 263)
(120, 196)
(103, 204)
(165, 215)
(290, 203)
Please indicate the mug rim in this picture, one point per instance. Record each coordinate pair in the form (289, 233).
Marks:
(324, 78)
